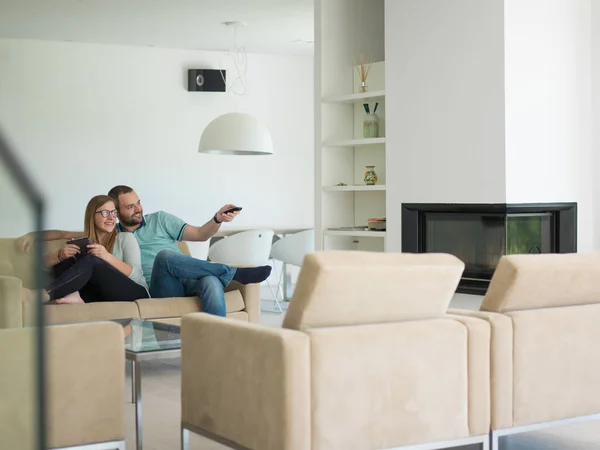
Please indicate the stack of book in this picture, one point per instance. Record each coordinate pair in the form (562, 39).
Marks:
(376, 224)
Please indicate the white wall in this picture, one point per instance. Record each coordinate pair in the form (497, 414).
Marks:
(85, 117)
(17, 210)
(596, 118)
(444, 104)
(548, 106)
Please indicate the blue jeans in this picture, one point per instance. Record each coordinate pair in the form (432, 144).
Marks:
(178, 275)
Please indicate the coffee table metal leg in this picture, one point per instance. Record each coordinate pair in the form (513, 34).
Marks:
(137, 376)
(132, 381)
(185, 439)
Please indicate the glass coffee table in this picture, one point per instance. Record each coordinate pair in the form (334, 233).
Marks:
(146, 340)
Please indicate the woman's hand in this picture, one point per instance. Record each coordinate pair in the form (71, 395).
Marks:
(98, 251)
(68, 251)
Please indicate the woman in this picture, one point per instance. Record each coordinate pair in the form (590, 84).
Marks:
(110, 271)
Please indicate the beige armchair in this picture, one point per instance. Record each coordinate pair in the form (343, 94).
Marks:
(367, 359)
(544, 313)
(85, 387)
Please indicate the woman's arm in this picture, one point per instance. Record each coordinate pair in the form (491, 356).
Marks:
(101, 252)
(121, 266)
(69, 250)
(132, 255)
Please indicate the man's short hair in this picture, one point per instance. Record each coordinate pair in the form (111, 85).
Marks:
(115, 192)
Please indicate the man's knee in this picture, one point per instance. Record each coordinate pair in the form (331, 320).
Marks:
(163, 256)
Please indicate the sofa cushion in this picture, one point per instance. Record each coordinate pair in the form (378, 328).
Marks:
(523, 282)
(153, 308)
(14, 262)
(239, 315)
(89, 312)
(11, 312)
(351, 288)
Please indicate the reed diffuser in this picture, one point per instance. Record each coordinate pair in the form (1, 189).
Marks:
(363, 68)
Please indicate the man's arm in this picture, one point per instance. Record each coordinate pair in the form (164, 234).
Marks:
(206, 231)
(25, 242)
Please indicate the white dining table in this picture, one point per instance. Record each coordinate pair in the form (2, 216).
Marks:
(279, 231)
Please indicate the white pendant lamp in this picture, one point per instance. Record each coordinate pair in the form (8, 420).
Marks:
(236, 134)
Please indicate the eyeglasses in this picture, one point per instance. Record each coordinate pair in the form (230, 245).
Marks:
(106, 213)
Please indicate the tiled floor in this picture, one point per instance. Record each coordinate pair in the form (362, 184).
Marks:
(161, 411)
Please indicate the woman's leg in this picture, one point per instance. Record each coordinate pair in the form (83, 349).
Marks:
(95, 280)
(107, 284)
(71, 277)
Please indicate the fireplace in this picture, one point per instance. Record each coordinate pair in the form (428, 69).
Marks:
(480, 234)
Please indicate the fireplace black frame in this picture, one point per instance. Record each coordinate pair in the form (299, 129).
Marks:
(564, 217)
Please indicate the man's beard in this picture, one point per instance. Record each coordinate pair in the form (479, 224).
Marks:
(130, 221)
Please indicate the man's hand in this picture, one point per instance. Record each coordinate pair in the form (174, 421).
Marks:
(221, 217)
(25, 242)
(98, 251)
(68, 251)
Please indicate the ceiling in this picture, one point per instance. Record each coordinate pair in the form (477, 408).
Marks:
(272, 25)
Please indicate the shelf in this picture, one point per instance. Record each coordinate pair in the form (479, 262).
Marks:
(351, 98)
(355, 142)
(363, 187)
(355, 233)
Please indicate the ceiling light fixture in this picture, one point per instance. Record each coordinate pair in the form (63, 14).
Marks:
(236, 133)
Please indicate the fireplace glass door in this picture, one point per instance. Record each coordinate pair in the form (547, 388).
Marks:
(480, 240)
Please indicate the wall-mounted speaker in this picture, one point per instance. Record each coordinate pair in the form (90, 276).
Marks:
(206, 80)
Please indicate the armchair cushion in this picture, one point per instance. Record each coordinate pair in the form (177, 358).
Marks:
(523, 282)
(556, 363)
(398, 384)
(351, 288)
(86, 384)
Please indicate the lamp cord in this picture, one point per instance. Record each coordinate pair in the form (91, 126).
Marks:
(239, 57)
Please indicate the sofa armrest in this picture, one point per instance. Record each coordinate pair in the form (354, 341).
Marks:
(246, 383)
(501, 365)
(85, 375)
(11, 304)
(251, 295)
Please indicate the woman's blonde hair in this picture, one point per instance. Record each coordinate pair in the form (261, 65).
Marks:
(89, 226)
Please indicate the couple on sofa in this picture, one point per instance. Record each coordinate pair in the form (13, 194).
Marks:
(138, 257)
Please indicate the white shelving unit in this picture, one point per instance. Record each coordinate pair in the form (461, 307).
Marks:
(353, 28)
(355, 188)
(359, 142)
(355, 233)
(352, 98)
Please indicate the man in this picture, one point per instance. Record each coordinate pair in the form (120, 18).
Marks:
(170, 273)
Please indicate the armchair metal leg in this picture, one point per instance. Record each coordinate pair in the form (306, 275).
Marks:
(494, 441)
(185, 439)
(485, 445)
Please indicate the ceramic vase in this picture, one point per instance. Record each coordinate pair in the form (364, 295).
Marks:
(371, 126)
(370, 176)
